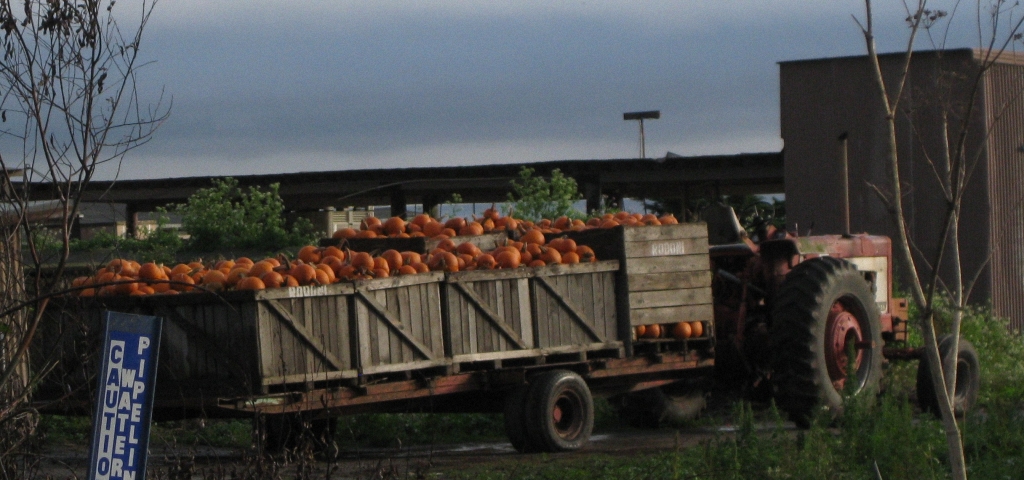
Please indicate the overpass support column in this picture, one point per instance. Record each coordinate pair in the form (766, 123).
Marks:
(430, 203)
(131, 220)
(592, 193)
(398, 205)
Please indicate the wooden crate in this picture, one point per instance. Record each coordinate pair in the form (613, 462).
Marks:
(398, 323)
(668, 273)
(665, 276)
(235, 343)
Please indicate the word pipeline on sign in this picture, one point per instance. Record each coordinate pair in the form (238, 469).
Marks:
(121, 424)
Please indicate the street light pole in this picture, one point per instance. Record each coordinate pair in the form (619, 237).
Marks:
(641, 116)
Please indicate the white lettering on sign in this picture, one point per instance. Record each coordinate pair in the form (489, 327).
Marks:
(307, 291)
(664, 249)
(121, 410)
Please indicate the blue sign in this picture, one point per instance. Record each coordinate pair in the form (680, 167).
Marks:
(124, 397)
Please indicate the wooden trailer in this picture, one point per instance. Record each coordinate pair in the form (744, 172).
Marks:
(536, 343)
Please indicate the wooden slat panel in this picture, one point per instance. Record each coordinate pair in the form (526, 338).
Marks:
(666, 247)
(403, 323)
(521, 292)
(456, 321)
(646, 316)
(489, 318)
(670, 298)
(434, 328)
(568, 321)
(682, 230)
(302, 333)
(668, 281)
(681, 263)
(367, 336)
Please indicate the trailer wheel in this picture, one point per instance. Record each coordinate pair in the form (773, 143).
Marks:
(654, 407)
(286, 432)
(968, 378)
(559, 414)
(515, 426)
(824, 317)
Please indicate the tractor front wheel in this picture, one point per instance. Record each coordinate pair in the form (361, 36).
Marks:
(826, 337)
(968, 378)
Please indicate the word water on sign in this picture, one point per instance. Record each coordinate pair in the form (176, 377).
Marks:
(124, 398)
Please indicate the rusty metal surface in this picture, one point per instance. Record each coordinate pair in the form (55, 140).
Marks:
(645, 371)
(1006, 190)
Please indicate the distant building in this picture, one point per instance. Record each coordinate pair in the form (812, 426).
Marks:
(821, 99)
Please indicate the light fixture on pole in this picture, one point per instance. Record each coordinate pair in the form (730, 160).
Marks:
(641, 116)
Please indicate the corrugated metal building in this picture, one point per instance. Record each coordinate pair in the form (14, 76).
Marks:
(822, 99)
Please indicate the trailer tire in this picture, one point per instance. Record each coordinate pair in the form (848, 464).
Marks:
(804, 338)
(515, 426)
(286, 432)
(559, 414)
(968, 378)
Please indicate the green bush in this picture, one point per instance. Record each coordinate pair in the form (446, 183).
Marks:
(534, 198)
(225, 217)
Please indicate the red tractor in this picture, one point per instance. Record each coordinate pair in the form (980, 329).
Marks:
(806, 320)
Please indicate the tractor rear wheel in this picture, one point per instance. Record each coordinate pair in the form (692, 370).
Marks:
(968, 378)
(826, 337)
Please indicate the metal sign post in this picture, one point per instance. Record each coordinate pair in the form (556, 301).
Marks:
(124, 397)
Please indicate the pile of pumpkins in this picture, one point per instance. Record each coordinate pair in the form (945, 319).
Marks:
(679, 330)
(326, 265)
(424, 225)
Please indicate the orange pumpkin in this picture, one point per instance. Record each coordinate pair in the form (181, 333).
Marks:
(394, 226)
(304, 274)
(345, 233)
(652, 331)
(309, 254)
(533, 236)
(393, 259)
(151, 271)
(697, 329)
(682, 330)
(250, 283)
(272, 279)
(485, 262)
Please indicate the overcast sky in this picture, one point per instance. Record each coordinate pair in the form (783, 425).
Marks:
(270, 86)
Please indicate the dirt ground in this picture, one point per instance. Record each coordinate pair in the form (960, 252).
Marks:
(412, 462)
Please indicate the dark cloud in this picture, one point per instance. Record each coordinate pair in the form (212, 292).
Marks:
(252, 96)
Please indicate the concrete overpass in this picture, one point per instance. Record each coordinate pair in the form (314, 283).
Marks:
(673, 179)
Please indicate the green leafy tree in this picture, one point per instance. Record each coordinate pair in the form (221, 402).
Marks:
(226, 217)
(536, 197)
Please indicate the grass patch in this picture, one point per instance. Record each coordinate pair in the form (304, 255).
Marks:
(64, 430)
(221, 433)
